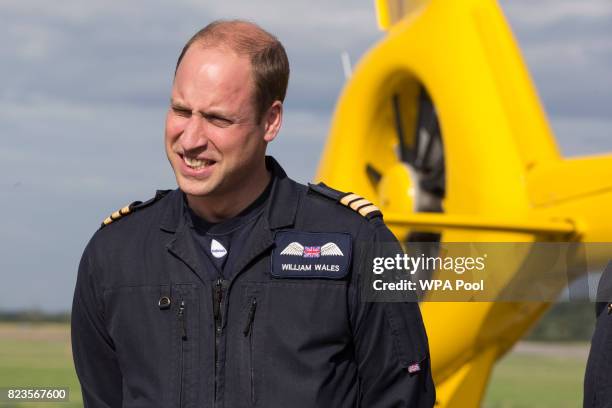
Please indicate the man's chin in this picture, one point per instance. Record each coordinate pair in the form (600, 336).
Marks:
(197, 188)
(197, 192)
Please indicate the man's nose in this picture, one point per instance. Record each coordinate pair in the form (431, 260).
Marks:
(194, 134)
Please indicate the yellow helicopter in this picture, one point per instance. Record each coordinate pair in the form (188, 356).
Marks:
(441, 127)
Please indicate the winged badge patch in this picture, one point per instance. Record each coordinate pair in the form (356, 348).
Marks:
(297, 249)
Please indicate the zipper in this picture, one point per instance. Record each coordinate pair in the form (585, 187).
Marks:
(218, 305)
(183, 328)
(181, 317)
(249, 331)
(218, 299)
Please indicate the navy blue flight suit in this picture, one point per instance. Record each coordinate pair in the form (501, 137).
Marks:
(150, 329)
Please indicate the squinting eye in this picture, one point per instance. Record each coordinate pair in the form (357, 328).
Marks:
(220, 122)
(182, 112)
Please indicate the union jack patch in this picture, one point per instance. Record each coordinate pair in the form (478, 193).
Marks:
(312, 251)
(297, 249)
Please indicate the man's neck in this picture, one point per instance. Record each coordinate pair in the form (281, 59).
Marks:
(219, 209)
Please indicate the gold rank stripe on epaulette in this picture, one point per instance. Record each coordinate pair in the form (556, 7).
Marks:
(135, 206)
(116, 215)
(361, 205)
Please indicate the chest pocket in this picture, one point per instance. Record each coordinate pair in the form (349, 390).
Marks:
(155, 331)
(291, 342)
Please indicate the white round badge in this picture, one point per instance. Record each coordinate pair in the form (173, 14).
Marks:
(217, 250)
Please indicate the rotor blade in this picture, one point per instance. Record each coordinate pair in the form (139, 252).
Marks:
(405, 152)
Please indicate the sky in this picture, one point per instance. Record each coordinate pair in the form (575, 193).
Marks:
(85, 87)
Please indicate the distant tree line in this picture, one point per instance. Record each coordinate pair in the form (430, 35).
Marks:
(34, 316)
(565, 321)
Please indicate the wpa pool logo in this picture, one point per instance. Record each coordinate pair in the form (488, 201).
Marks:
(297, 249)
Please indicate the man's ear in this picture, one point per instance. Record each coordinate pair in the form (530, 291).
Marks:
(272, 120)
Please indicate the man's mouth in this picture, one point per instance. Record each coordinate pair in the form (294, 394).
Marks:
(197, 164)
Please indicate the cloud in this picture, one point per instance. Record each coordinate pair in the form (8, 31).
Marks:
(548, 12)
(125, 51)
(568, 48)
(583, 136)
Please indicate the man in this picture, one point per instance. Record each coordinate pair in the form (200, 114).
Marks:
(240, 288)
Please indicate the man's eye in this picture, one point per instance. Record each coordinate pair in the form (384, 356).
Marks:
(219, 121)
(182, 112)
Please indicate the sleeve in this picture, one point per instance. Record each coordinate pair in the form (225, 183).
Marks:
(389, 337)
(93, 351)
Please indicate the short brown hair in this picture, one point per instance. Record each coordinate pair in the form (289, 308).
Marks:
(267, 55)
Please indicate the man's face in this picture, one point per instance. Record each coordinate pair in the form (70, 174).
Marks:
(212, 137)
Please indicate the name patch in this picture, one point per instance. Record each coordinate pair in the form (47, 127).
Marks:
(316, 255)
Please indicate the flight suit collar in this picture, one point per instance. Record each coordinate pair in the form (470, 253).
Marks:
(280, 209)
(280, 212)
(284, 198)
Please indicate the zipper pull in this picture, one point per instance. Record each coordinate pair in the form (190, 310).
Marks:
(217, 298)
(218, 301)
(181, 317)
(219, 290)
(251, 318)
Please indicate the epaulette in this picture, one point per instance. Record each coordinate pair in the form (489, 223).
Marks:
(133, 207)
(351, 200)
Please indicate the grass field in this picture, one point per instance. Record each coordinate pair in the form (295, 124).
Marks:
(539, 375)
(37, 355)
(534, 375)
